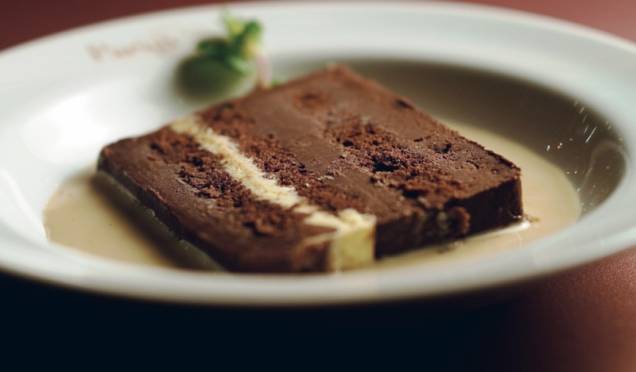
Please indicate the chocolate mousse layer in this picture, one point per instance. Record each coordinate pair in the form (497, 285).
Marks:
(327, 172)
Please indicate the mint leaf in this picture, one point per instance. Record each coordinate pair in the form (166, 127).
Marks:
(220, 62)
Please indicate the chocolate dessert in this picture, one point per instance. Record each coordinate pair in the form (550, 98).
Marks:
(324, 173)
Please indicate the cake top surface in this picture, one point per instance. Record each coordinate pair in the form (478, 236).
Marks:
(338, 127)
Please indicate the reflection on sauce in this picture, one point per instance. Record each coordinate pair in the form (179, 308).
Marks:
(85, 215)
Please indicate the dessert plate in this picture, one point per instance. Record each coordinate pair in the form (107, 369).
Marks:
(65, 96)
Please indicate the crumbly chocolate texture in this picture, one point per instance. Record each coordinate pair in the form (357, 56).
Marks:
(188, 190)
(341, 141)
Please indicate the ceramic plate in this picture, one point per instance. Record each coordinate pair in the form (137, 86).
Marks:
(66, 95)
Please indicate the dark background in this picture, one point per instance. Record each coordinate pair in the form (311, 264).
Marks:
(582, 320)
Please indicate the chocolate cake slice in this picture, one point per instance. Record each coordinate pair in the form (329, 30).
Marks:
(327, 172)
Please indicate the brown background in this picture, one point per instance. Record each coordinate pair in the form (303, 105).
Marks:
(583, 320)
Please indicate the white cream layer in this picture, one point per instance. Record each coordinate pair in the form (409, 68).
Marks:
(351, 244)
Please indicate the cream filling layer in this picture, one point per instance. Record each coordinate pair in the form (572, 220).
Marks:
(351, 244)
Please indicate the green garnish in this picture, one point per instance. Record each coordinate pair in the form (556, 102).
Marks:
(220, 64)
(276, 82)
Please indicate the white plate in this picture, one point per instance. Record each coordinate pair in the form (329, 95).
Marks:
(66, 95)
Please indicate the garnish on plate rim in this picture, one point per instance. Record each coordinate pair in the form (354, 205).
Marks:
(220, 65)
